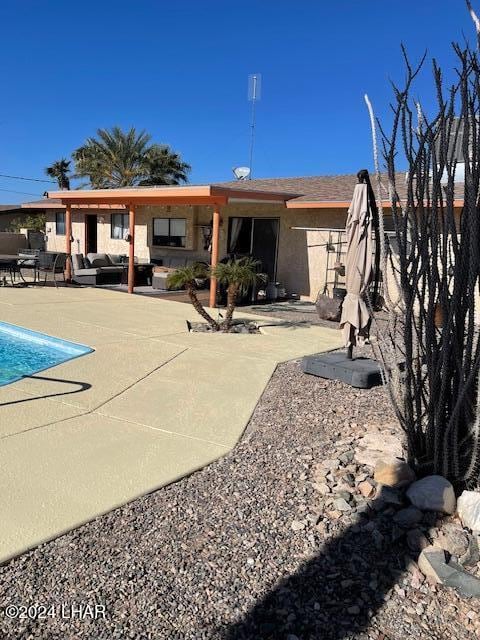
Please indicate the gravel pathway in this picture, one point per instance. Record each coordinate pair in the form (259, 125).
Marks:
(236, 551)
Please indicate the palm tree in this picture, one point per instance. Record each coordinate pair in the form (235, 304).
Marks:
(113, 158)
(60, 170)
(163, 166)
(238, 275)
(185, 277)
(117, 158)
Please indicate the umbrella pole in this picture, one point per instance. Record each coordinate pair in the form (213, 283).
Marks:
(350, 352)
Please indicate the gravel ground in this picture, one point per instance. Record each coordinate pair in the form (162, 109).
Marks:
(237, 550)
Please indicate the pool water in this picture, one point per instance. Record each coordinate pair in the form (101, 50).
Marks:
(24, 352)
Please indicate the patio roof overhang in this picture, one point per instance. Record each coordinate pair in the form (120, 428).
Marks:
(191, 195)
(211, 195)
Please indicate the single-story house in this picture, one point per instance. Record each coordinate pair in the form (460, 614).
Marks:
(293, 225)
(17, 213)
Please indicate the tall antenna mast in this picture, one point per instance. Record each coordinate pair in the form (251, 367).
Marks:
(254, 93)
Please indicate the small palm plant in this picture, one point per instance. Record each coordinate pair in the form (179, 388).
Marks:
(238, 275)
(185, 278)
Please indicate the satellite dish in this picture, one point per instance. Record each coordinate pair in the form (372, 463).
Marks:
(241, 173)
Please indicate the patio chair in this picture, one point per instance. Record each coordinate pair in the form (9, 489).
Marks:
(28, 259)
(53, 263)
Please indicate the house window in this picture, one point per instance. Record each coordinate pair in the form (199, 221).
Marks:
(169, 232)
(60, 223)
(119, 226)
(240, 236)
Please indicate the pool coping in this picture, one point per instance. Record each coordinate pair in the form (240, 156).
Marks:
(38, 337)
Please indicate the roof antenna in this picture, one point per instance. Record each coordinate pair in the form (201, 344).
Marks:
(254, 93)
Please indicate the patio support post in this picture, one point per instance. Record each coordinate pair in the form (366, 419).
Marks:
(68, 242)
(131, 253)
(214, 258)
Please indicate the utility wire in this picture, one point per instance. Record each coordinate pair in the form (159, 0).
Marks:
(25, 193)
(3, 175)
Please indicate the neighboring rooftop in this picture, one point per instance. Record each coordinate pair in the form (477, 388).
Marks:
(6, 208)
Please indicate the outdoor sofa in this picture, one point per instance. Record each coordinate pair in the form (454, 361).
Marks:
(97, 268)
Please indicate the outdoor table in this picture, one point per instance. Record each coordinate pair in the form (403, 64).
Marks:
(9, 265)
(143, 273)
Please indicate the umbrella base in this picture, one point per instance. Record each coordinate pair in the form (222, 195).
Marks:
(362, 373)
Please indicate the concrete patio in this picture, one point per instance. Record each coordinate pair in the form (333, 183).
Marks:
(151, 404)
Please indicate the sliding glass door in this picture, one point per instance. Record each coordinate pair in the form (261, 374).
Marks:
(256, 237)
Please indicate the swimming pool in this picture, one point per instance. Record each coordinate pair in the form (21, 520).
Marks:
(24, 352)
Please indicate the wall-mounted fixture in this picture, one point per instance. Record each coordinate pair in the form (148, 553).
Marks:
(207, 235)
(207, 232)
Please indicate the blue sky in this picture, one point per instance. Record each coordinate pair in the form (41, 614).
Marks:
(179, 70)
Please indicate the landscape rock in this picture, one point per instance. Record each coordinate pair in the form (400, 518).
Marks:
(433, 565)
(376, 446)
(432, 493)
(417, 540)
(468, 508)
(366, 488)
(453, 539)
(472, 555)
(467, 585)
(322, 488)
(390, 495)
(297, 525)
(408, 517)
(340, 504)
(394, 474)
(431, 562)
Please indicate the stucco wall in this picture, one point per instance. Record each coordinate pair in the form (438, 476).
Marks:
(302, 255)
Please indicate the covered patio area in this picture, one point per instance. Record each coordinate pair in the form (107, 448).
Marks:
(130, 199)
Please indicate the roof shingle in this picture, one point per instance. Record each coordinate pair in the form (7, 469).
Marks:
(335, 188)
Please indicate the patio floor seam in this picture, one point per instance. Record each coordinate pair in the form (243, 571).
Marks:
(95, 409)
(245, 356)
(165, 431)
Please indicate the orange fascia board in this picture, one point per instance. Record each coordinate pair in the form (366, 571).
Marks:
(207, 194)
(130, 195)
(60, 205)
(117, 202)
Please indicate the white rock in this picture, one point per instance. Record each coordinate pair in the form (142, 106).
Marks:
(433, 493)
(376, 446)
(468, 508)
(297, 525)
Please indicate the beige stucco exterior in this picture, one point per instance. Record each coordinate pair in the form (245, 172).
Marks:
(302, 256)
(304, 266)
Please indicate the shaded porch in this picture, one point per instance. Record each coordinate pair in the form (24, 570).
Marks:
(214, 197)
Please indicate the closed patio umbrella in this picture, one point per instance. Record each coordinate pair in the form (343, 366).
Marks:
(355, 319)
